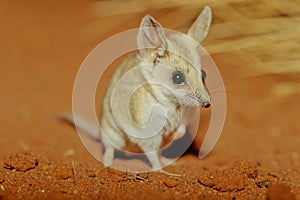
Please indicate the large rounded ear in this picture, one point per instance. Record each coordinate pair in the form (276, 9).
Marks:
(151, 39)
(199, 30)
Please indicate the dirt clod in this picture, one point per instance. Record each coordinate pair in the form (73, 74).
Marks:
(230, 179)
(171, 182)
(64, 172)
(23, 161)
(279, 191)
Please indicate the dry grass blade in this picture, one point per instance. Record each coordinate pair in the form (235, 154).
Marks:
(74, 172)
(265, 32)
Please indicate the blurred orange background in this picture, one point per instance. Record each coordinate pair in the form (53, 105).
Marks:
(254, 43)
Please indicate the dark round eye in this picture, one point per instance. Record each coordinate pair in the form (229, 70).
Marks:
(203, 74)
(178, 78)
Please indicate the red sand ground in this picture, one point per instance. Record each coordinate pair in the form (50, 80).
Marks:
(41, 49)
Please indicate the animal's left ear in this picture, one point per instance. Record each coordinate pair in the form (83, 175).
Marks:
(151, 38)
(199, 30)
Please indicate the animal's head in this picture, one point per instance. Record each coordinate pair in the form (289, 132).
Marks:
(180, 56)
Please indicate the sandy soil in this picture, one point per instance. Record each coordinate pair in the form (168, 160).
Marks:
(41, 48)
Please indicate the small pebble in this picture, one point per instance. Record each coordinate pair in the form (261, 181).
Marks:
(23, 161)
(69, 152)
(263, 184)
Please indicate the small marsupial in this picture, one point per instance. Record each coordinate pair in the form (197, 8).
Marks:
(174, 62)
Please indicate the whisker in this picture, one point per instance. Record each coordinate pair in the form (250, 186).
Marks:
(217, 96)
(215, 85)
(219, 92)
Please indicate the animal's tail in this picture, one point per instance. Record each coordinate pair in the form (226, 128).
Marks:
(84, 125)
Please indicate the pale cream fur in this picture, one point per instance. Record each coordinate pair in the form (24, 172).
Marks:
(179, 53)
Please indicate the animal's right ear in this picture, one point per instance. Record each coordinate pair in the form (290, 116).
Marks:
(199, 30)
(151, 39)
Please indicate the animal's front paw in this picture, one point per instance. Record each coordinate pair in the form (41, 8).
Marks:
(181, 130)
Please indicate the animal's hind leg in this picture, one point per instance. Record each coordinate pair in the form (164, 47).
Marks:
(154, 160)
(108, 156)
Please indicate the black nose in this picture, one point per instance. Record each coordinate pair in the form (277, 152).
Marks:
(206, 104)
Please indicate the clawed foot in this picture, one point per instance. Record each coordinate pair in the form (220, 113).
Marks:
(168, 173)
